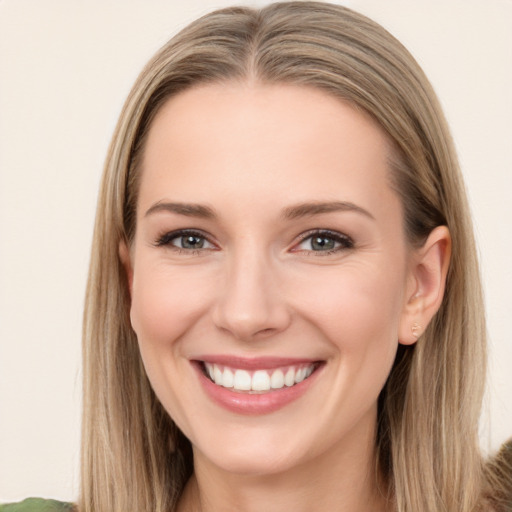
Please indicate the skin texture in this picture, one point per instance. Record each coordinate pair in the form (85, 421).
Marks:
(258, 287)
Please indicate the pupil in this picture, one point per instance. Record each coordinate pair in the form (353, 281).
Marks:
(321, 243)
(192, 242)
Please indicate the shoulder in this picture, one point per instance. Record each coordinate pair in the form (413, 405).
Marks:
(37, 505)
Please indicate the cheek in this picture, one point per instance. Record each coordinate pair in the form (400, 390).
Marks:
(357, 313)
(352, 302)
(361, 323)
(165, 304)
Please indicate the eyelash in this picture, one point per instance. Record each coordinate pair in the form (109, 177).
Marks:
(166, 241)
(344, 242)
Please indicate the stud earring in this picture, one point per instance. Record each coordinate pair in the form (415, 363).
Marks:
(416, 329)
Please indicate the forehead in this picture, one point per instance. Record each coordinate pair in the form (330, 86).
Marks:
(242, 142)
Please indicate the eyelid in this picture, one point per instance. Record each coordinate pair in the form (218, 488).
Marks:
(165, 239)
(341, 238)
(345, 242)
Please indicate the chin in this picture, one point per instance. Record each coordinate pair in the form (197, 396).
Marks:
(252, 464)
(251, 453)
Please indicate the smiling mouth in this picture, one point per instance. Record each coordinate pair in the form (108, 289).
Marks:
(258, 381)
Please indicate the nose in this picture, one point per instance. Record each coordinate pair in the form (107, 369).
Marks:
(251, 304)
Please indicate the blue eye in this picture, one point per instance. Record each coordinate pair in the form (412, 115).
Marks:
(185, 240)
(189, 242)
(325, 241)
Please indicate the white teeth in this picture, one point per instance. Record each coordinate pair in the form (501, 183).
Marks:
(242, 380)
(289, 378)
(217, 375)
(299, 376)
(260, 380)
(277, 380)
(228, 378)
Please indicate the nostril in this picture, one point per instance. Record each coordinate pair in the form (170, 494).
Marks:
(266, 332)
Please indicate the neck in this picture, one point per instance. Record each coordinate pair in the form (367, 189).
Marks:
(342, 480)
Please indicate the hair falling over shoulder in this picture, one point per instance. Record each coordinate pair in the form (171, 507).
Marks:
(133, 456)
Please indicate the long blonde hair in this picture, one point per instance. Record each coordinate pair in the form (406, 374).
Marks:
(133, 456)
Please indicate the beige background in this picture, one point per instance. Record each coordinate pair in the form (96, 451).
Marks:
(65, 68)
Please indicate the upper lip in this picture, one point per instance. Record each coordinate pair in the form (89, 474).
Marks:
(254, 363)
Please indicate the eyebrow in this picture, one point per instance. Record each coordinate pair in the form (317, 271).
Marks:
(291, 212)
(187, 209)
(317, 208)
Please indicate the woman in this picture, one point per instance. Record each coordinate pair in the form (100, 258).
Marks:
(284, 307)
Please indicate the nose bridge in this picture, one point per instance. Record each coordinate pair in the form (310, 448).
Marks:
(250, 303)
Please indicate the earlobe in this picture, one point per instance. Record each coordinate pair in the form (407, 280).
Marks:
(427, 279)
(125, 257)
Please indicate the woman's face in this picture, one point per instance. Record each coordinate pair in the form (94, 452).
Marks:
(269, 257)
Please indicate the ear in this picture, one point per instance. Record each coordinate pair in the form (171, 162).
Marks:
(425, 285)
(126, 261)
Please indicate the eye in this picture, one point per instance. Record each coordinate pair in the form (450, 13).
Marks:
(324, 241)
(185, 240)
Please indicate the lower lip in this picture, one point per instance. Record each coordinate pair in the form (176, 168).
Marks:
(257, 403)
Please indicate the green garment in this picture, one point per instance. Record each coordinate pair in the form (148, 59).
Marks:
(37, 505)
